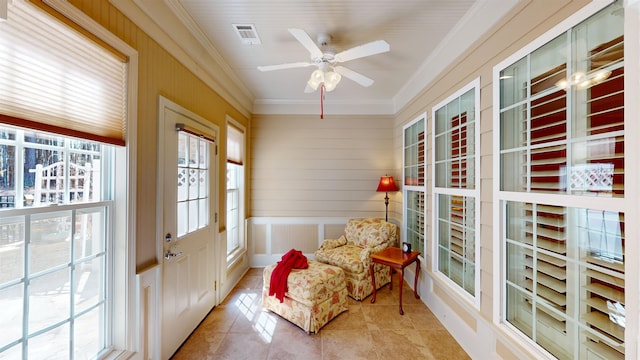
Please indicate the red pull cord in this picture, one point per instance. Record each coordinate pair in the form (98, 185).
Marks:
(322, 101)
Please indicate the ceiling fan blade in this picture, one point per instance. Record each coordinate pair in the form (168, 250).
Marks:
(307, 42)
(284, 66)
(372, 48)
(355, 76)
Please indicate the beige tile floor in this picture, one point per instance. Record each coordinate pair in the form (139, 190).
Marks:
(240, 328)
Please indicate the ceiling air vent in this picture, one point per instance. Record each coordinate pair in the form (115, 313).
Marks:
(247, 33)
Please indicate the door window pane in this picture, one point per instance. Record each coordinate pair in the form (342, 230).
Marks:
(192, 183)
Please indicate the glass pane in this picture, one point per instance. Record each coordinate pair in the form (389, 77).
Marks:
(442, 125)
(456, 238)
(601, 235)
(182, 218)
(549, 118)
(183, 149)
(442, 146)
(183, 183)
(49, 300)
(551, 330)
(87, 343)
(11, 248)
(84, 182)
(51, 345)
(11, 303)
(548, 169)
(203, 152)
(443, 173)
(203, 183)
(598, 167)
(548, 66)
(469, 279)
(513, 171)
(193, 151)
(44, 176)
(193, 215)
(203, 212)
(519, 312)
(194, 180)
(89, 283)
(414, 154)
(7, 175)
(520, 216)
(516, 256)
(513, 83)
(415, 219)
(89, 237)
(49, 245)
(513, 128)
(43, 139)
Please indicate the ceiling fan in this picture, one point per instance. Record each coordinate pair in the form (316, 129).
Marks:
(326, 59)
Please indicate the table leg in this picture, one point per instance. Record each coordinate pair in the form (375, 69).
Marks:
(391, 271)
(373, 282)
(400, 281)
(415, 280)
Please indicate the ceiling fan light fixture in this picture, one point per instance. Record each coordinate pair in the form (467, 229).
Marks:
(316, 78)
(331, 80)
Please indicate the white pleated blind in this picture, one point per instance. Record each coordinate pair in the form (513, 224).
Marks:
(235, 145)
(55, 79)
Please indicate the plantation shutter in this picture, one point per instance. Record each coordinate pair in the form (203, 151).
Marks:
(57, 80)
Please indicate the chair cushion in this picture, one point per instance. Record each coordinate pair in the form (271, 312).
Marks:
(346, 257)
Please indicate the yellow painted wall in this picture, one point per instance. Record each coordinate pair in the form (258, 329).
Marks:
(161, 74)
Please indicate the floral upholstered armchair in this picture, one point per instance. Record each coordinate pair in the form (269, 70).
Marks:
(352, 252)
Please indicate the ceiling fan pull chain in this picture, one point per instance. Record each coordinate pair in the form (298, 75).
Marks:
(322, 101)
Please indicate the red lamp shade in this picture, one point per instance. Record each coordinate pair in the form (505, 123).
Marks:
(387, 184)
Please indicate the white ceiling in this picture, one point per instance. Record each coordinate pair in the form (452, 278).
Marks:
(424, 37)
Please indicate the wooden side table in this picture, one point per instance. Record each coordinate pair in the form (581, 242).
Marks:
(395, 259)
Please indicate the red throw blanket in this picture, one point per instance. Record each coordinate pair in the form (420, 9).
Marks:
(291, 260)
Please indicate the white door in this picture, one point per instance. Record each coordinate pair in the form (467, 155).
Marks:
(187, 186)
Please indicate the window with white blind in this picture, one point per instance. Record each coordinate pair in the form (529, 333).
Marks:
(456, 193)
(65, 277)
(561, 136)
(414, 183)
(236, 245)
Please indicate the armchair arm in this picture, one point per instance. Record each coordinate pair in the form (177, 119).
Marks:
(365, 254)
(328, 244)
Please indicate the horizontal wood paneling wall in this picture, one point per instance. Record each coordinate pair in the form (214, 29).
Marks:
(304, 166)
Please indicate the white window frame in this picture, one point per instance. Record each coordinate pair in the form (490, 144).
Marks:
(467, 193)
(628, 205)
(419, 188)
(236, 255)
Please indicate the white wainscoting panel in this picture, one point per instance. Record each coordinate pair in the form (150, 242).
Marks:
(271, 237)
(148, 298)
